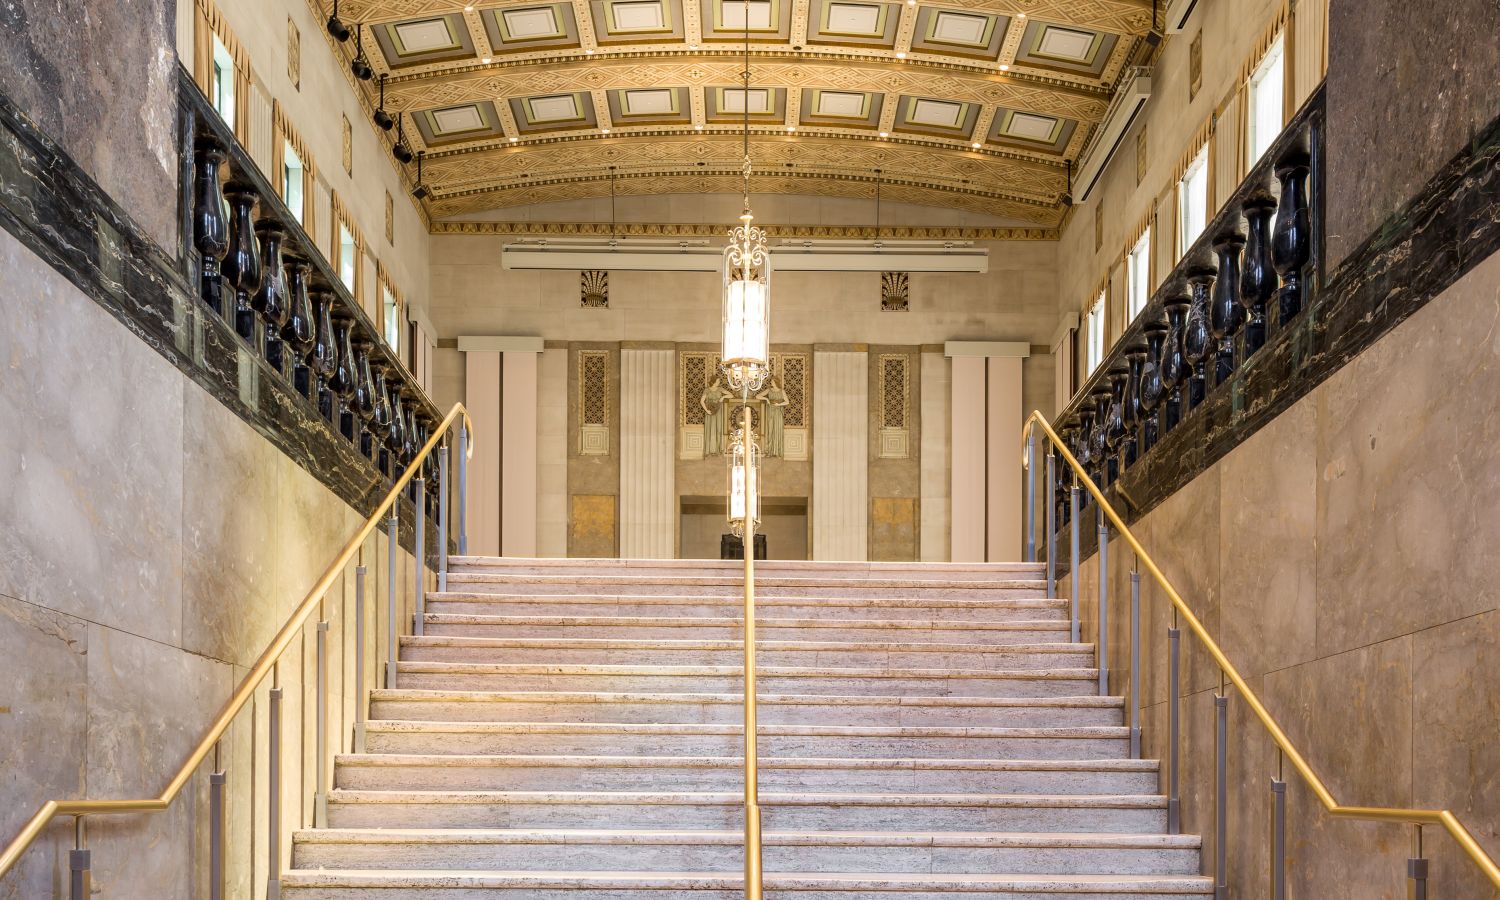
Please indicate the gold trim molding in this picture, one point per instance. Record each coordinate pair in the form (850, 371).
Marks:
(708, 230)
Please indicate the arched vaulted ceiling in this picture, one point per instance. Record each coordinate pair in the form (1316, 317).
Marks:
(973, 104)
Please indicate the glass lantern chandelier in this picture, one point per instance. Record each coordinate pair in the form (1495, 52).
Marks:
(747, 283)
(744, 485)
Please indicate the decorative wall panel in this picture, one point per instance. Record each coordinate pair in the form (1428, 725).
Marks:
(840, 511)
(593, 402)
(648, 514)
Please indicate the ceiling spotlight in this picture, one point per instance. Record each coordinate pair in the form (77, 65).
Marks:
(383, 118)
(485, 59)
(468, 7)
(514, 140)
(336, 26)
(692, 46)
(360, 65)
(605, 130)
(901, 55)
(1020, 15)
(1004, 67)
(401, 149)
(791, 128)
(589, 51)
(698, 127)
(420, 191)
(976, 145)
(885, 134)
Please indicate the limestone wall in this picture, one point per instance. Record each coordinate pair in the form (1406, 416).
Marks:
(153, 543)
(1340, 556)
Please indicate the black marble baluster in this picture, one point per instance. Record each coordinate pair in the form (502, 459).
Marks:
(381, 434)
(301, 323)
(1152, 385)
(1115, 428)
(323, 359)
(1131, 411)
(1258, 282)
(1064, 479)
(1196, 336)
(1103, 462)
(1083, 449)
(210, 221)
(1291, 244)
(271, 300)
(242, 265)
(396, 434)
(341, 382)
(1225, 311)
(364, 395)
(1175, 370)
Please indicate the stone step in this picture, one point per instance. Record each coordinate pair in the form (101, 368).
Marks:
(723, 851)
(772, 680)
(469, 705)
(730, 628)
(826, 741)
(334, 884)
(428, 772)
(734, 568)
(642, 651)
(727, 584)
(595, 603)
(723, 811)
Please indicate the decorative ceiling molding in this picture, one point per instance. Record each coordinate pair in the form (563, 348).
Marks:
(705, 230)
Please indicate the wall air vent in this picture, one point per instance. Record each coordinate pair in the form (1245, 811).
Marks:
(1124, 109)
(1178, 13)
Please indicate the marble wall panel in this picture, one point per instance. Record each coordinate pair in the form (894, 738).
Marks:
(46, 708)
(1268, 544)
(98, 448)
(1407, 493)
(893, 528)
(1407, 88)
(125, 139)
(1179, 533)
(1455, 753)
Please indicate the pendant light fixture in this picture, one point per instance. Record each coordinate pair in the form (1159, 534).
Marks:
(420, 191)
(401, 149)
(336, 26)
(383, 118)
(747, 279)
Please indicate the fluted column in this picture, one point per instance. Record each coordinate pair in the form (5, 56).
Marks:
(482, 397)
(518, 397)
(840, 501)
(936, 492)
(648, 431)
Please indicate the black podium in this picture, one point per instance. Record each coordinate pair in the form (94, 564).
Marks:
(733, 547)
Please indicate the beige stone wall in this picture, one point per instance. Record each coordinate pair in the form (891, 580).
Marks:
(1342, 558)
(153, 544)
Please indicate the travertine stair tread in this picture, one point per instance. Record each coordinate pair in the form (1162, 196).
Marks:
(738, 621)
(439, 667)
(1071, 840)
(380, 760)
(443, 640)
(467, 696)
(1081, 731)
(767, 799)
(731, 582)
(853, 568)
(388, 878)
(733, 601)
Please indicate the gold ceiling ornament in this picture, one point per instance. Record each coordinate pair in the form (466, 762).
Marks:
(700, 229)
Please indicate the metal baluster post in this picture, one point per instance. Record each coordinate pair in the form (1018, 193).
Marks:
(217, 779)
(1174, 726)
(320, 745)
(273, 784)
(392, 548)
(80, 880)
(1102, 650)
(463, 489)
(1051, 521)
(420, 557)
(442, 528)
(1073, 634)
(1030, 495)
(359, 658)
(1416, 867)
(1135, 664)
(1278, 833)
(1221, 792)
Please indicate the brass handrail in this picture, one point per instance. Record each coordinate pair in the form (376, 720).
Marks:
(1441, 817)
(252, 680)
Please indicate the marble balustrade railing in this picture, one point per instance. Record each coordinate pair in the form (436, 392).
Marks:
(1236, 292)
(256, 267)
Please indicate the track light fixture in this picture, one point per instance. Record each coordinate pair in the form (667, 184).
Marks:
(336, 26)
(383, 118)
(420, 191)
(360, 65)
(401, 149)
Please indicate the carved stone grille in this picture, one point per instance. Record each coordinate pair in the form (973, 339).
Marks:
(695, 371)
(895, 386)
(593, 387)
(794, 382)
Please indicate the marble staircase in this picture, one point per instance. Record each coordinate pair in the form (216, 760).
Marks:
(570, 730)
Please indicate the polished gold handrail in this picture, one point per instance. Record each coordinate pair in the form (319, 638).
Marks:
(1441, 817)
(252, 680)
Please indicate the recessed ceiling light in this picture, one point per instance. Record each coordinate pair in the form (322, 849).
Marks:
(901, 55)
(791, 128)
(514, 139)
(1020, 15)
(606, 131)
(1004, 67)
(976, 145)
(590, 50)
(469, 8)
(692, 46)
(485, 60)
(698, 127)
(885, 134)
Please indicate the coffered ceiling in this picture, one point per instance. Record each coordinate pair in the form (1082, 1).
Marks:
(973, 104)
